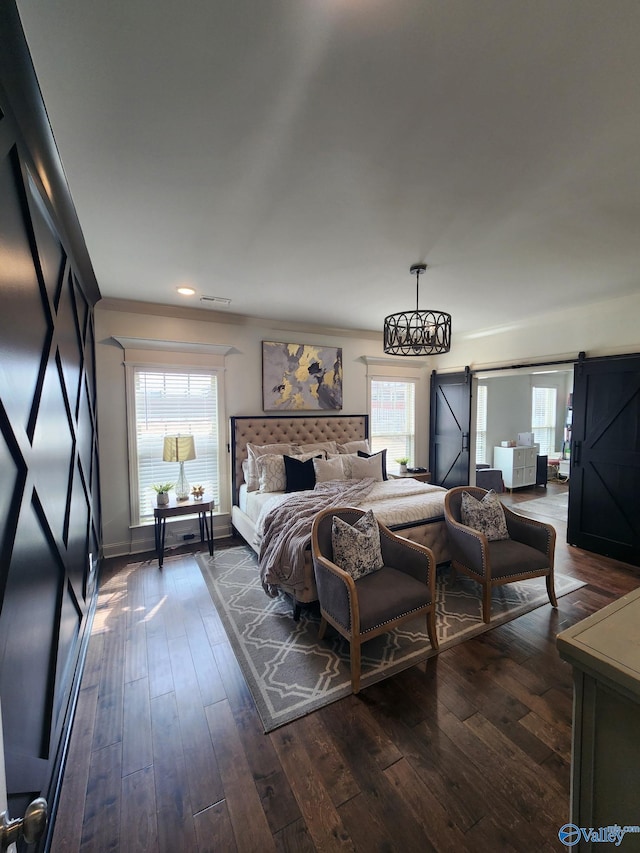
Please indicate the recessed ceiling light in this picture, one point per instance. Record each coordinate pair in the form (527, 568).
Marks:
(186, 291)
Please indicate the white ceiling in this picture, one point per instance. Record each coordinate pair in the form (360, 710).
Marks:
(297, 156)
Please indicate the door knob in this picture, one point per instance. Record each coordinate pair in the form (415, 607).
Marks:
(31, 827)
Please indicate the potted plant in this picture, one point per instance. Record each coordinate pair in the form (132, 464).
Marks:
(402, 462)
(162, 491)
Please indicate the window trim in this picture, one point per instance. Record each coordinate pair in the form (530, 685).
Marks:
(407, 380)
(177, 366)
(477, 431)
(551, 430)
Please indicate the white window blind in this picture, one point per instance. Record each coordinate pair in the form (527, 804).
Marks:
(171, 401)
(481, 425)
(543, 418)
(393, 419)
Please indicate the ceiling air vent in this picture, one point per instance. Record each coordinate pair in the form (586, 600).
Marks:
(215, 301)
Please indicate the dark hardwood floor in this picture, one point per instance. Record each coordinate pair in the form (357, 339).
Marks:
(471, 752)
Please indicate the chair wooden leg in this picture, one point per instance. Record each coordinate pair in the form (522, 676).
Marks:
(486, 602)
(355, 664)
(431, 629)
(551, 590)
(322, 628)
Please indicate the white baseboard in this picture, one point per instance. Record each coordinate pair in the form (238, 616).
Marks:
(142, 539)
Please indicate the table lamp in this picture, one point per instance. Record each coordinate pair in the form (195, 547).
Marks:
(179, 448)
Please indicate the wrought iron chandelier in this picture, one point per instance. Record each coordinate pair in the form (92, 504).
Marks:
(417, 332)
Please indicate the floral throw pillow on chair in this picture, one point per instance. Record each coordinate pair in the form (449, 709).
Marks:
(356, 548)
(486, 516)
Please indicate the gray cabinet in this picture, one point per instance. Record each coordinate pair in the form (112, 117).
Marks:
(604, 650)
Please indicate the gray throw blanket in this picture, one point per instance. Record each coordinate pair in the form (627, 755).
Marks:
(286, 529)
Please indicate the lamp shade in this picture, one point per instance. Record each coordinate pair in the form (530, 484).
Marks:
(178, 448)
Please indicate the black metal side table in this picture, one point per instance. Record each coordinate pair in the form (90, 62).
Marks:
(203, 508)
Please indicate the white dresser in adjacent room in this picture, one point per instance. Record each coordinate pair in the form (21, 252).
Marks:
(518, 465)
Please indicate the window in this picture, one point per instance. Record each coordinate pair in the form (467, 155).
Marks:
(481, 426)
(393, 418)
(170, 401)
(543, 418)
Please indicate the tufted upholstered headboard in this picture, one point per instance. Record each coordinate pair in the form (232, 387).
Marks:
(296, 429)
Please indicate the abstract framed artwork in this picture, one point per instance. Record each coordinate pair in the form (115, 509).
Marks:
(301, 377)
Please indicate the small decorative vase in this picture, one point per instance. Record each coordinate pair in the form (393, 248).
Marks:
(403, 469)
(163, 498)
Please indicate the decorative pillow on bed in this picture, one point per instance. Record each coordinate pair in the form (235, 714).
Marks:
(383, 456)
(366, 466)
(329, 469)
(256, 450)
(355, 446)
(486, 516)
(272, 476)
(300, 474)
(356, 548)
(346, 459)
(320, 447)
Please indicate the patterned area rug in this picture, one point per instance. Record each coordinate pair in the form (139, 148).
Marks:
(290, 673)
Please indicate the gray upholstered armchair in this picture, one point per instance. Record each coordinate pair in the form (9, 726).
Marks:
(527, 553)
(374, 604)
(489, 478)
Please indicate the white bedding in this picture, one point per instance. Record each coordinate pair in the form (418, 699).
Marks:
(251, 503)
(393, 502)
(403, 501)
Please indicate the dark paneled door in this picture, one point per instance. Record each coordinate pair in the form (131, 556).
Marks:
(605, 458)
(50, 537)
(449, 428)
(49, 523)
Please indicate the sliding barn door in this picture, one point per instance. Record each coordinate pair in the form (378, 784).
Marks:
(449, 428)
(604, 486)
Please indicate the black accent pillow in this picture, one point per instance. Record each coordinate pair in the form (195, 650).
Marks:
(301, 476)
(382, 453)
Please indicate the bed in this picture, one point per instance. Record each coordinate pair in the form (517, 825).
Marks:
(424, 525)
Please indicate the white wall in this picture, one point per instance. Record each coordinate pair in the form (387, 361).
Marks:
(609, 328)
(509, 403)
(606, 328)
(508, 409)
